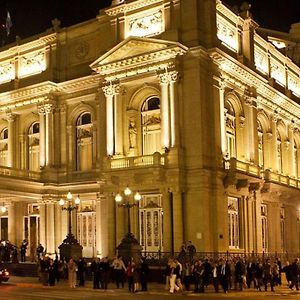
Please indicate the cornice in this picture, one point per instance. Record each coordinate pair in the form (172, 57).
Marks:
(32, 45)
(127, 7)
(235, 71)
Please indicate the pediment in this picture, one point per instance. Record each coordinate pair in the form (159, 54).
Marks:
(135, 51)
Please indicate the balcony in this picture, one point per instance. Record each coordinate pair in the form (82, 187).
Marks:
(19, 173)
(157, 159)
(233, 166)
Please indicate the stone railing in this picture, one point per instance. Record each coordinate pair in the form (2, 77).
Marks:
(233, 164)
(270, 176)
(157, 159)
(19, 173)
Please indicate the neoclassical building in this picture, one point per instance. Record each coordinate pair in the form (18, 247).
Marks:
(187, 103)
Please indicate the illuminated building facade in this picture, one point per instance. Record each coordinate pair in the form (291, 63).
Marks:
(186, 102)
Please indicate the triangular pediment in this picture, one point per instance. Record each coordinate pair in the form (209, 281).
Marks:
(135, 51)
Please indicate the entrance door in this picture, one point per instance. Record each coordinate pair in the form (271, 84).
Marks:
(86, 233)
(151, 223)
(4, 228)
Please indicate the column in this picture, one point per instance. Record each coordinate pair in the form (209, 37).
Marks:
(178, 222)
(63, 134)
(240, 144)
(118, 129)
(99, 247)
(174, 120)
(109, 92)
(291, 155)
(41, 111)
(273, 153)
(58, 226)
(50, 227)
(251, 150)
(268, 150)
(43, 224)
(222, 118)
(11, 223)
(164, 111)
(285, 148)
(11, 140)
(22, 151)
(49, 110)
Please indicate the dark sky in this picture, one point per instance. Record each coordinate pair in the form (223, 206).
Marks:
(34, 16)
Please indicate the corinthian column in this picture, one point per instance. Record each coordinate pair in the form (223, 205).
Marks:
(41, 111)
(291, 155)
(222, 117)
(165, 117)
(11, 118)
(174, 109)
(49, 110)
(273, 154)
(110, 91)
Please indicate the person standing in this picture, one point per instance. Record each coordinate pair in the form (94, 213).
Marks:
(95, 273)
(39, 251)
(51, 273)
(267, 275)
(144, 275)
(23, 250)
(224, 271)
(191, 250)
(118, 270)
(81, 271)
(72, 269)
(295, 272)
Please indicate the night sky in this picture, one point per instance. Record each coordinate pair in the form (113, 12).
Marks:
(30, 17)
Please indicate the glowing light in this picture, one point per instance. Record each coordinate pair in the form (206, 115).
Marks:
(77, 200)
(3, 209)
(137, 196)
(127, 191)
(118, 198)
(69, 195)
(61, 202)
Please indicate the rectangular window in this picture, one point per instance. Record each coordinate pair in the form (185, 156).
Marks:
(233, 223)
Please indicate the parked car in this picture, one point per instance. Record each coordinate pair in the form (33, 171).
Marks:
(4, 275)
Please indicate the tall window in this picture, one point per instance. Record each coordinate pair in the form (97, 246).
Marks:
(151, 126)
(264, 227)
(282, 228)
(233, 223)
(34, 147)
(84, 141)
(260, 146)
(279, 153)
(230, 131)
(3, 147)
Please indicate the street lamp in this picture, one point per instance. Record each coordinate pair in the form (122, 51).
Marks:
(70, 206)
(127, 205)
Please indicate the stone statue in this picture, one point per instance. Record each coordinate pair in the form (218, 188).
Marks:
(132, 134)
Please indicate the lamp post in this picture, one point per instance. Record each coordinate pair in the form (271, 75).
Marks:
(129, 247)
(70, 246)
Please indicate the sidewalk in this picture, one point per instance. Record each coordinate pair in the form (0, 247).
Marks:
(153, 288)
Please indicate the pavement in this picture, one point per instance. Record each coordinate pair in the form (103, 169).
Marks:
(29, 288)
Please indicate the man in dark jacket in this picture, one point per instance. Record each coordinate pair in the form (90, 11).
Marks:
(224, 271)
(295, 272)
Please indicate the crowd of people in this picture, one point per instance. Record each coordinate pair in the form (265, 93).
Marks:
(183, 272)
(102, 271)
(230, 274)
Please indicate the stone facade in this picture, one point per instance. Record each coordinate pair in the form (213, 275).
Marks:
(183, 101)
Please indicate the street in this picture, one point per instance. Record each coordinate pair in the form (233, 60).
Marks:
(25, 288)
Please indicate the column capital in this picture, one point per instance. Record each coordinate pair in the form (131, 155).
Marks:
(10, 117)
(111, 89)
(168, 77)
(274, 117)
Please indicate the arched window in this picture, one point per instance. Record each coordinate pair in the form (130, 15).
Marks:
(3, 147)
(151, 126)
(279, 152)
(230, 130)
(34, 147)
(260, 145)
(84, 142)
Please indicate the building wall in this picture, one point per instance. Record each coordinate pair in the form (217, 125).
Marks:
(211, 71)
